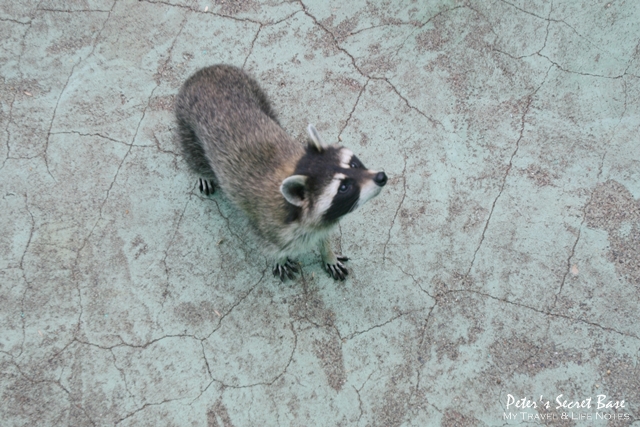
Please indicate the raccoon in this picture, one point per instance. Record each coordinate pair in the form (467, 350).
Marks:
(292, 194)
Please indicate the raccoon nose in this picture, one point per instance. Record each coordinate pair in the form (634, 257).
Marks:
(380, 179)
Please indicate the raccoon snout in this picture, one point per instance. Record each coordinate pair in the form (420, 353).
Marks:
(380, 179)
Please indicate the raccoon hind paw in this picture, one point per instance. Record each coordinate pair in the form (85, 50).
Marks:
(206, 186)
(286, 270)
(338, 270)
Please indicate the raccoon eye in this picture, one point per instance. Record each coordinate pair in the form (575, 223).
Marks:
(354, 165)
(344, 187)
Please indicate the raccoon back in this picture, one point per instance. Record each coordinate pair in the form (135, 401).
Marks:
(229, 130)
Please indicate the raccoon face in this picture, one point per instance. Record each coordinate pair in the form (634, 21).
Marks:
(351, 187)
(329, 182)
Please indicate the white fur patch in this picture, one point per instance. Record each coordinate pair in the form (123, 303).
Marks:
(330, 191)
(345, 158)
(368, 191)
(301, 240)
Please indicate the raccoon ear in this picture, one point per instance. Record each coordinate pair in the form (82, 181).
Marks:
(293, 188)
(316, 140)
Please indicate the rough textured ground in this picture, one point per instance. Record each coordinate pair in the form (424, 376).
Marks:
(501, 259)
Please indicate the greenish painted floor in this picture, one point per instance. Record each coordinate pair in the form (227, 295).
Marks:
(500, 263)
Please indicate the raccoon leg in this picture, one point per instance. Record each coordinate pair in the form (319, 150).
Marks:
(194, 155)
(333, 263)
(286, 268)
(206, 186)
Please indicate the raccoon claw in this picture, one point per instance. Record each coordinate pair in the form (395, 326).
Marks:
(338, 270)
(286, 270)
(206, 186)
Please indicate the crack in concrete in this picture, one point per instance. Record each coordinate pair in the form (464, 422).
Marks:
(74, 10)
(546, 35)
(377, 326)
(242, 298)
(571, 254)
(71, 401)
(115, 177)
(422, 332)
(394, 24)
(261, 26)
(204, 390)
(10, 116)
(57, 383)
(225, 385)
(613, 131)
(358, 390)
(73, 132)
(586, 206)
(560, 21)
(15, 21)
(530, 13)
(544, 44)
(540, 54)
(415, 281)
(329, 325)
(566, 70)
(355, 65)
(355, 105)
(534, 354)
(508, 169)
(159, 148)
(442, 12)
(142, 346)
(431, 120)
(7, 130)
(206, 362)
(53, 117)
(435, 298)
(86, 239)
(24, 274)
(561, 68)
(547, 313)
(393, 221)
(253, 42)
(506, 301)
(55, 108)
(305, 292)
(201, 340)
(209, 12)
(332, 328)
(146, 405)
(123, 375)
(227, 220)
(275, 405)
(123, 343)
(166, 254)
(277, 377)
(415, 392)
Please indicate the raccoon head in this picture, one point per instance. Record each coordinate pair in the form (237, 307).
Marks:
(329, 182)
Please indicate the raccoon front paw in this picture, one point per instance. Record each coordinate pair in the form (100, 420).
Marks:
(286, 270)
(338, 270)
(206, 186)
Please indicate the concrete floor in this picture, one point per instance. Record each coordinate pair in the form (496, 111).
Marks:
(500, 262)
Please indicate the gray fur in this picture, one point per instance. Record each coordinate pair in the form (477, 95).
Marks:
(230, 136)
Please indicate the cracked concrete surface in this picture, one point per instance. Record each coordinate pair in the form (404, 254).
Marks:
(501, 259)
